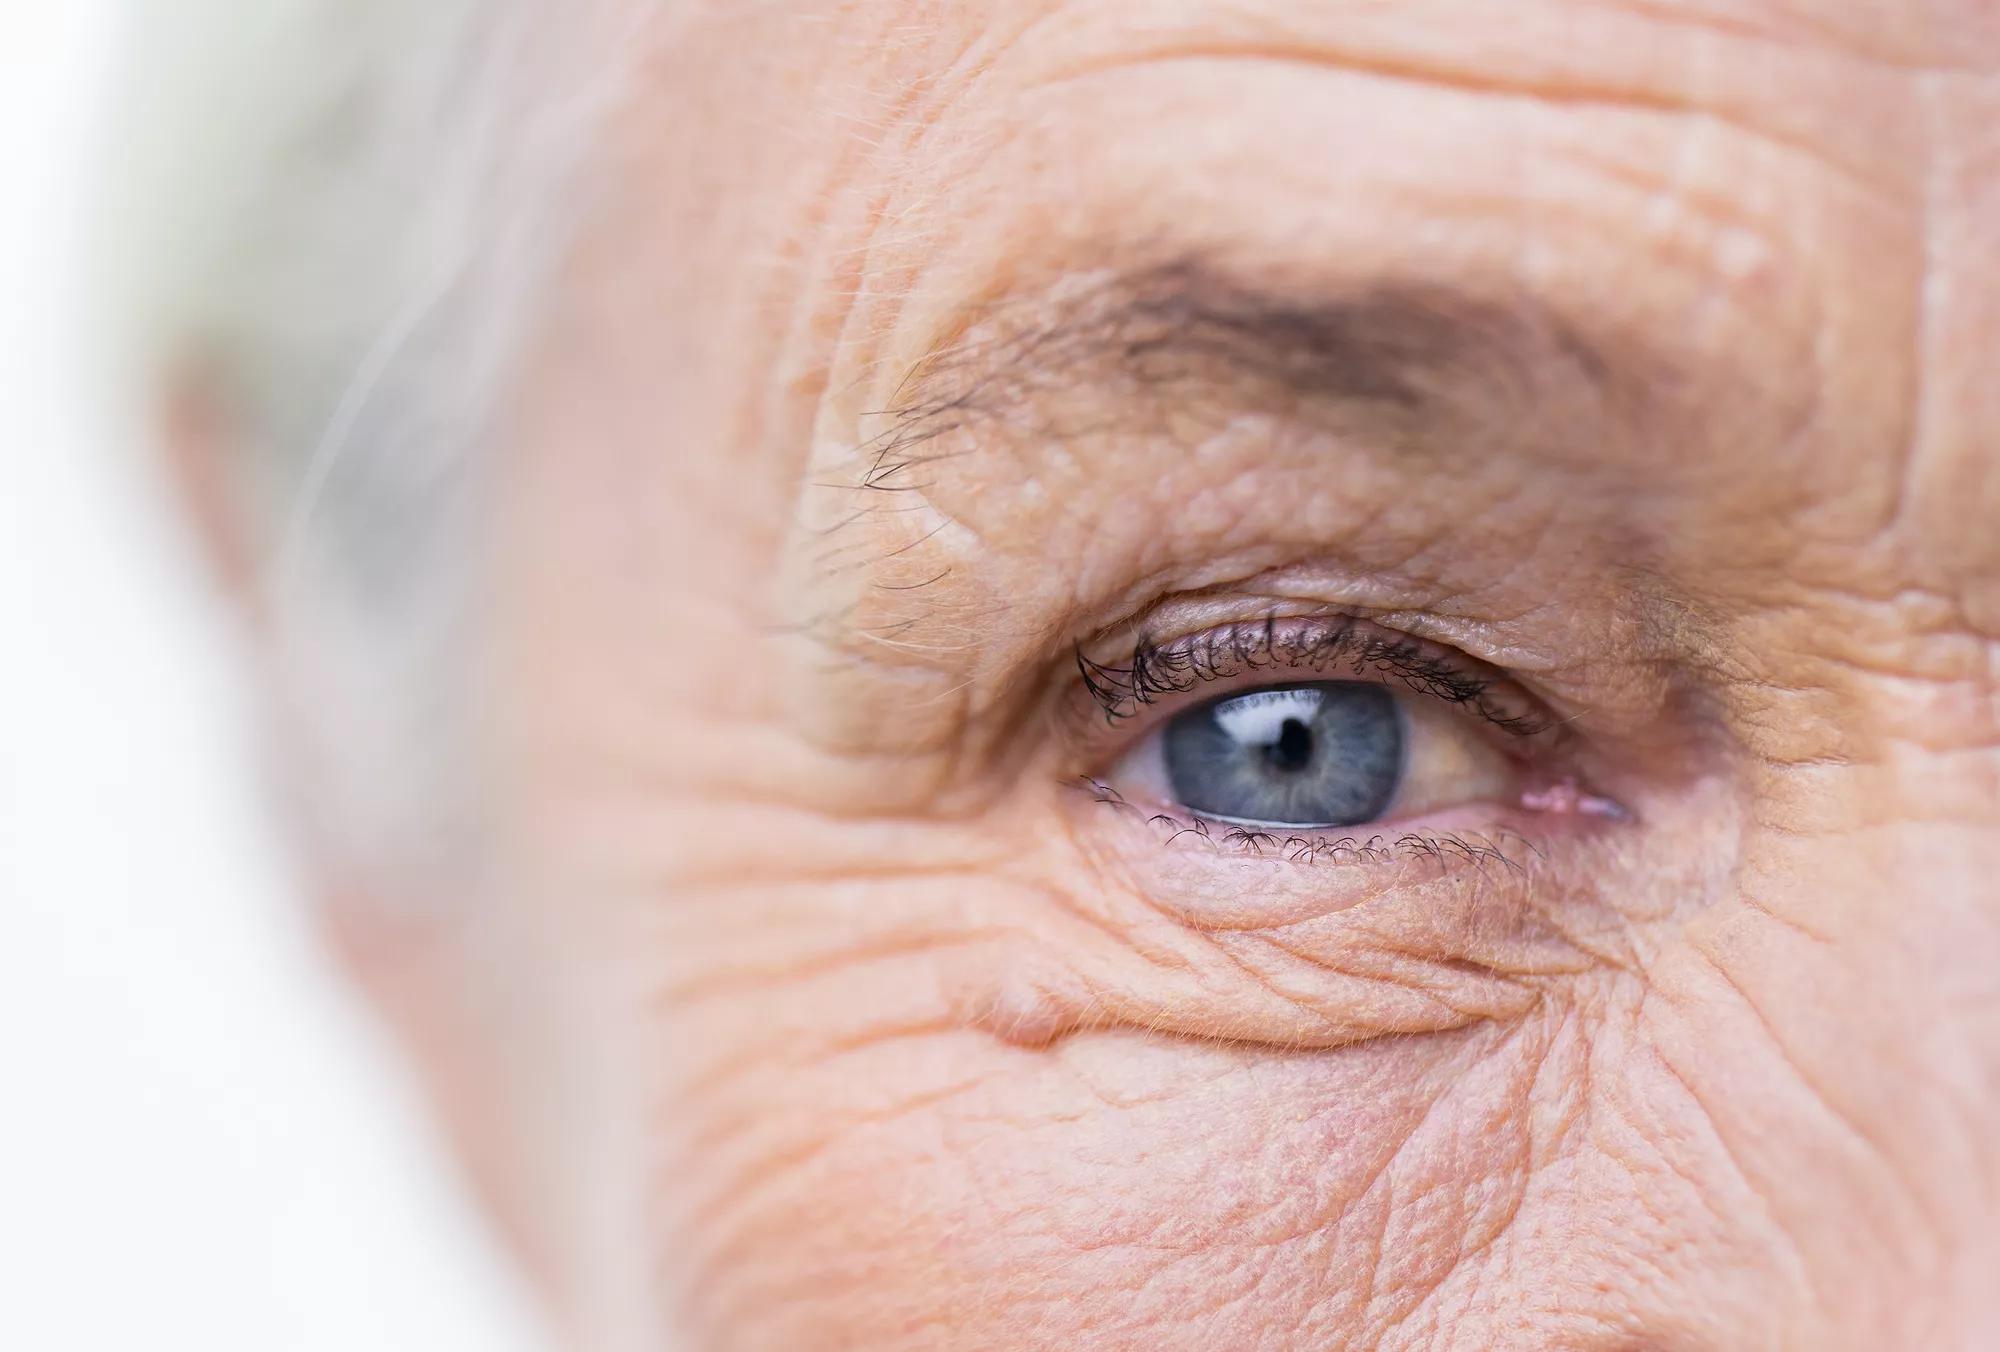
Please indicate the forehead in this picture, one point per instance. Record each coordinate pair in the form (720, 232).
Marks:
(1788, 205)
(1806, 187)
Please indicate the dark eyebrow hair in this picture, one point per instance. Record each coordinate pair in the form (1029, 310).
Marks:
(1404, 354)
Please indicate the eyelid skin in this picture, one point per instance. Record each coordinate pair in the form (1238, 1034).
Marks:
(1227, 933)
(1308, 939)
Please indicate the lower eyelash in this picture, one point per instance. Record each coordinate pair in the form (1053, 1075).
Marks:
(1450, 850)
(1157, 671)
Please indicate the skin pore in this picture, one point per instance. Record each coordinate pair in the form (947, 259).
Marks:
(1629, 360)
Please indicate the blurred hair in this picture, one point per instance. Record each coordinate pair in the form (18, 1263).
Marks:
(332, 219)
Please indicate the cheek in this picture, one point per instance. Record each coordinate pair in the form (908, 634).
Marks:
(852, 1162)
(846, 1148)
(1116, 1191)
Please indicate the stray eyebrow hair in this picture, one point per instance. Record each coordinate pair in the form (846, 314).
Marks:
(1407, 356)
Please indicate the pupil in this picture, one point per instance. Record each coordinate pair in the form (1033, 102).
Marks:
(1292, 752)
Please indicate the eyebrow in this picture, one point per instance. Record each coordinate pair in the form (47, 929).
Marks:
(1414, 355)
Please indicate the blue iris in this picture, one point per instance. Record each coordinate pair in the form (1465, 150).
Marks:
(1319, 755)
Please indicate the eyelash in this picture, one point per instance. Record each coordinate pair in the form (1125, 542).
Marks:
(1164, 671)
(1158, 671)
(1445, 849)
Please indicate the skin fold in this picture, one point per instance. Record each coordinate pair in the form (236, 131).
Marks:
(1640, 353)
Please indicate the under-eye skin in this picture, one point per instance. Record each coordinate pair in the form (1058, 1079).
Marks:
(1322, 755)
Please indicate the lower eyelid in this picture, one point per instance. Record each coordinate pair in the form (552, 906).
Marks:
(1421, 850)
(1178, 944)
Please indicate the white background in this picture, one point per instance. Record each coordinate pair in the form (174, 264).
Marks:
(204, 1144)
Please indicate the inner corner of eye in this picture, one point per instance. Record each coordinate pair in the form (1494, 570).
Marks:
(1318, 755)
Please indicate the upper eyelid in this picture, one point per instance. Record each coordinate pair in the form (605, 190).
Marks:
(1181, 665)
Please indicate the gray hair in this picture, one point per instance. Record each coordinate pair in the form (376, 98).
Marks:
(334, 216)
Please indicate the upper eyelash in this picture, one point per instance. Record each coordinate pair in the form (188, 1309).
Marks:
(1157, 670)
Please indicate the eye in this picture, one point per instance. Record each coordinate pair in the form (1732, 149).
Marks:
(1315, 755)
(1325, 754)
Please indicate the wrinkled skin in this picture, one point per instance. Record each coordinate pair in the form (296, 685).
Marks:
(803, 1000)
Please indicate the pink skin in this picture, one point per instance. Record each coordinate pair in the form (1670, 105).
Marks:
(1565, 799)
(1642, 352)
